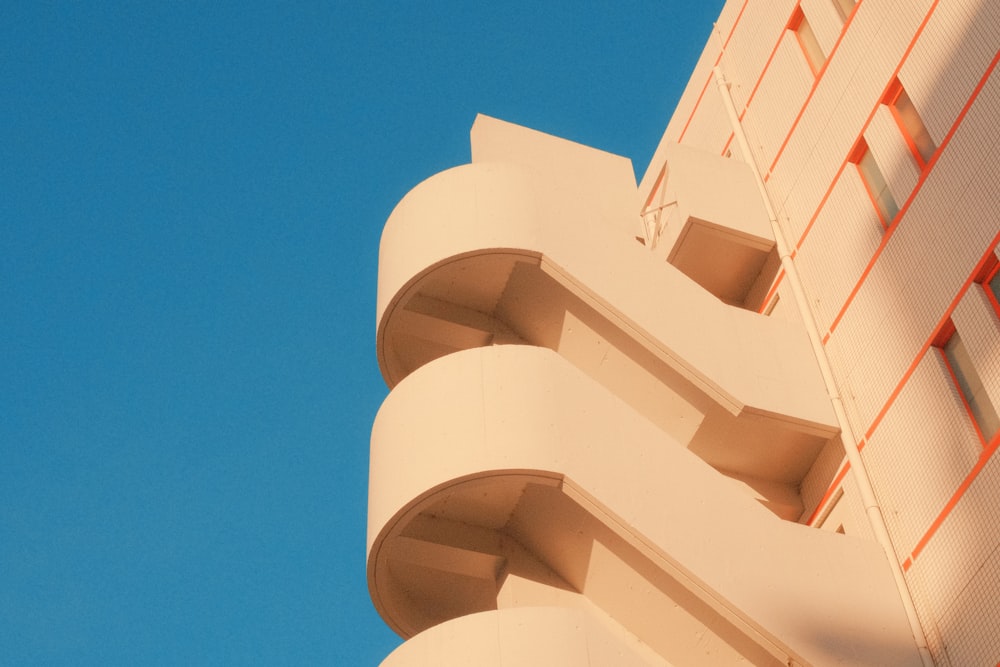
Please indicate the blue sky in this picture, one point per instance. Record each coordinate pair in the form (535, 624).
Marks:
(191, 197)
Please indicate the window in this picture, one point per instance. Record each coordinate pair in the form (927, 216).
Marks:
(799, 24)
(769, 308)
(966, 378)
(875, 183)
(989, 278)
(910, 124)
(844, 8)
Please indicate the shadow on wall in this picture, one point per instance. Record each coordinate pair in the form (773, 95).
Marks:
(922, 156)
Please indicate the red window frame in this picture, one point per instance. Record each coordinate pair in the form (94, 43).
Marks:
(989, 274)
(843, 12)
(794, 24)
(940, 341)
(854, 157)
(890, 99)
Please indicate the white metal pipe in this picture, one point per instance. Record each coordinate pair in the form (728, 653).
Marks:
(847, 435)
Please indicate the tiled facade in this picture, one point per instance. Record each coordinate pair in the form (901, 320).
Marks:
(886, 261)
(879, 295)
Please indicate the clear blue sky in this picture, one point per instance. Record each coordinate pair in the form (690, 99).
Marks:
(191, 197)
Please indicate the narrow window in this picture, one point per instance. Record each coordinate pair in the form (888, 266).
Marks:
(993, 290)
(799, 24)
(844, 8)
(875, 183)
(989, 278)
(966, 378)
(830, 508)
(910, 124)
(770, 307)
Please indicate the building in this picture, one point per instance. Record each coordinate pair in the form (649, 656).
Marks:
(742, 413)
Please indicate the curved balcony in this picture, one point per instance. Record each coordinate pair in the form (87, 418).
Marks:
(503, 477)
(526, 637)
(498, 252)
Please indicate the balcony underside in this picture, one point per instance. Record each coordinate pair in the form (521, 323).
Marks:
(472, 258)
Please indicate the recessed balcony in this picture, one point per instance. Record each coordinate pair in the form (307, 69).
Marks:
(707, 218)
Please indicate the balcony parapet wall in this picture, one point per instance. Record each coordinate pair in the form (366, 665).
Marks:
(523, 637)
(475, 458)
(458, 237)
(534, 244)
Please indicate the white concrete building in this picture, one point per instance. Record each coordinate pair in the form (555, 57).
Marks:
(742, 413)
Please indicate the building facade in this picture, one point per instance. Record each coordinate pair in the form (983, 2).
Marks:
(745, 412)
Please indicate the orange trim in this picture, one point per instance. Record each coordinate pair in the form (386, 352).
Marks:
(796, 18)
(988, 275)
(940, 340)
(984, 458)
(771, 292)
(892, 92)
(728, 141)
(946, 331)
(854, 10)
(736, 22)
(990, 269)
(770, 57)
(813, 67)
(859, 150)
(930, 341)
(910, 143)
(812, 90)
(822, 203)
(991, 447)
(858, 154)
(891, 96)
(992, 298)
(656, 186)
(867, 122)
(718, 59)
(793, 22)
(878, 210)
(696, 103)
(916, 188)
(829, 493)
(906, 53)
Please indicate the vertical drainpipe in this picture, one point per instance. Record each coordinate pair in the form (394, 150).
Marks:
(858, 469)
